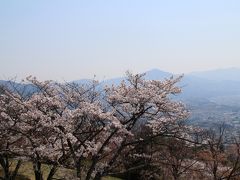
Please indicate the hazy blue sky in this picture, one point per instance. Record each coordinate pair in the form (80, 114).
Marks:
(70, 40)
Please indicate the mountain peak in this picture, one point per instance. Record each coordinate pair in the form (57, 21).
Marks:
(155, 70)
(156, 74)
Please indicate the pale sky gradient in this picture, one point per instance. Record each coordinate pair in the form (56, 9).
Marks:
(76, 39)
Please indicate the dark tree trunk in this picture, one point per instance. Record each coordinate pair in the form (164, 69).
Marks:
(14, 173)
(37, 170)
(79, 169)
(98, 176)
(52, 172)
(7, 174)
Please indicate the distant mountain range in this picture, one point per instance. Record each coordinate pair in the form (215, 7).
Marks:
(211, 96)
(214, 86)
(230, 74)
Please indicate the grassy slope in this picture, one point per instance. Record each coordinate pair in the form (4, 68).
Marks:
(26, 172)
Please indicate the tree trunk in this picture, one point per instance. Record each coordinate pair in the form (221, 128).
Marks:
(79, 168)
(52, 172)
(5, 165)
(7, 174)
(97, 177)
(14, 173)
(215, 168)
(37, 170)
(90, 171)
(175, 173)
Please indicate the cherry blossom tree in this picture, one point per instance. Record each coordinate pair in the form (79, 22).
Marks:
(171, 155)
(84, 127)
(139, 102)
(8, 139)
(29, 121)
